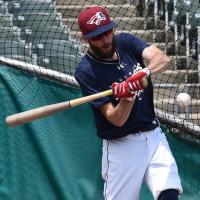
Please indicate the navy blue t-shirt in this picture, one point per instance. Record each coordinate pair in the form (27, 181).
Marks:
(96, 76)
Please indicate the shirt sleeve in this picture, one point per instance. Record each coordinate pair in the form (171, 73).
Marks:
(135, 44)
(90, 86)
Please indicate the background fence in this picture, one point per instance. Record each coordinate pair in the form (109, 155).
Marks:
(59, 157)
(40, 41)
(45, 34)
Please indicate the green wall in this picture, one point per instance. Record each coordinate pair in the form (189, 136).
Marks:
(59, 157)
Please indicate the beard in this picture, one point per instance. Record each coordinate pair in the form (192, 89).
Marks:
(104, 55)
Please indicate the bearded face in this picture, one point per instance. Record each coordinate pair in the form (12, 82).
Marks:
(104, 48)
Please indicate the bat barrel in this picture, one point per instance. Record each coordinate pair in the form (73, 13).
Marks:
(30, 115)
(37, 113)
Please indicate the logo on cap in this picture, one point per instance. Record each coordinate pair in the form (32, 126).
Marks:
(97, 18)
(94, 21)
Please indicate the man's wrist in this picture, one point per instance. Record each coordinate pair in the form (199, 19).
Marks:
(131, 99)
(147, 71)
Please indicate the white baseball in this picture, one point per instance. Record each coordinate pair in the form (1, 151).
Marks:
(183, 99)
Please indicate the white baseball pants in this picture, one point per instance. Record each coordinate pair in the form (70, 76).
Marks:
(130, 160)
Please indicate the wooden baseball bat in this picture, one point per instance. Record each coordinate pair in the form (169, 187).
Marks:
(37, 113)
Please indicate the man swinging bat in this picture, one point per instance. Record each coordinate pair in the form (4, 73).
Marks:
(134, 147)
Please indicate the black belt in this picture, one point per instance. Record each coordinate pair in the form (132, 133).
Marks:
(149, 127)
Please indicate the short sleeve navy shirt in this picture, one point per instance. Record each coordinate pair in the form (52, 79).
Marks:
(96, 76)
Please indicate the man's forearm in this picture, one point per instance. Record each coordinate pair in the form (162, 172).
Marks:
(159, 64)
(118, 115)
(156, 60)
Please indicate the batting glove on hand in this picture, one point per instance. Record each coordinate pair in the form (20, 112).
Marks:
(126, 89)
(139, 75)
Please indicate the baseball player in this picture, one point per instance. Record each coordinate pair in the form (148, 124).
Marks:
(134, 147)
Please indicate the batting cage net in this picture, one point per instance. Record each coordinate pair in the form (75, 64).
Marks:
(59, 157)
(42, 37)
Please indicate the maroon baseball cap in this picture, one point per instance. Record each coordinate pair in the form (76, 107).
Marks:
(94, 21)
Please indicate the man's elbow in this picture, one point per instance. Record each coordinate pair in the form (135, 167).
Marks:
(116, 120)
(118, 123)
(167, 62)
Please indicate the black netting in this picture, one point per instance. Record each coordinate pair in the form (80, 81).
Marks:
(42, 37)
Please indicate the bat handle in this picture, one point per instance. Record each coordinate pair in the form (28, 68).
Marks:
(144, 82)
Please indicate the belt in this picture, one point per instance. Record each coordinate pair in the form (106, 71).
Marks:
(149, 127)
